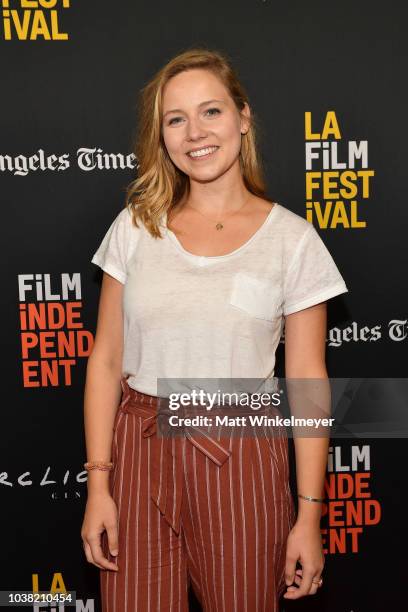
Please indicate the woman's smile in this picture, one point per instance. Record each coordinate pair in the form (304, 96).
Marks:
(203, 153)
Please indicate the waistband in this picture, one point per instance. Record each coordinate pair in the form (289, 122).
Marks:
(133, 397)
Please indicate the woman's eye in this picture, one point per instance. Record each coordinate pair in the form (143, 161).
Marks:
(214, 109)
(210, 110)
(172, 120)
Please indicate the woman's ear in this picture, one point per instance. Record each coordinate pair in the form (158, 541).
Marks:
(245, 118)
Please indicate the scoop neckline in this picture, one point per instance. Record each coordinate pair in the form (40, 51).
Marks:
(260, 229)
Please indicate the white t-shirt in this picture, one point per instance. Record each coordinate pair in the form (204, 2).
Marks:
(187, 316)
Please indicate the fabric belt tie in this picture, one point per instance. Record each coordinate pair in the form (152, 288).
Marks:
(166, 459)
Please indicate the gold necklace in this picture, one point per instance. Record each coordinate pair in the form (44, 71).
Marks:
(218, 225)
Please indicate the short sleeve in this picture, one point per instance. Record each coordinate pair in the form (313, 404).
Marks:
(114, 250)
(312, 276)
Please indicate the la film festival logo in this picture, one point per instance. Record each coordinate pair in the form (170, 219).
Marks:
(336, 180)
(34, 19)
(52, 333)
(349, 507)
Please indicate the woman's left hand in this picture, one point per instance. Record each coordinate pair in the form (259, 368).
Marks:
(304, 544)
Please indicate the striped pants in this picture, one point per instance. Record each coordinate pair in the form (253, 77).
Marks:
(210, 513)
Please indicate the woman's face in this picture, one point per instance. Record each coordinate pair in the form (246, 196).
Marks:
(198, 113)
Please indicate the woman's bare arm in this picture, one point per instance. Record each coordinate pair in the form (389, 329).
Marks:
(102, 386)
(305, 345)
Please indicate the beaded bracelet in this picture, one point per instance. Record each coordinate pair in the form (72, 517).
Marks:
(313, 499)
(98, 465)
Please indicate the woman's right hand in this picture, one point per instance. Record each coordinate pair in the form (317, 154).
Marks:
(100, 515)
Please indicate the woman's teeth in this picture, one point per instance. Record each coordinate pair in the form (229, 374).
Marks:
(202, 152)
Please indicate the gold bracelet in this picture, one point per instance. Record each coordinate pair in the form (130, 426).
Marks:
(313, 499)
(98, 465)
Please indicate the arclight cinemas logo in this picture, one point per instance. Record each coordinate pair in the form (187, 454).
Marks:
(52, 333)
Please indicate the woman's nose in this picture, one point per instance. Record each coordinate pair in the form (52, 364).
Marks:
(195, 129)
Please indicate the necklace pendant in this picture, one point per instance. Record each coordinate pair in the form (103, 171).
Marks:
(219, 226)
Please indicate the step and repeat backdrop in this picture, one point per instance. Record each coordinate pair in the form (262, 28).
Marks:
(327, 83)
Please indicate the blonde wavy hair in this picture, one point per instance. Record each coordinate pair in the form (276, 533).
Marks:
(160, 185)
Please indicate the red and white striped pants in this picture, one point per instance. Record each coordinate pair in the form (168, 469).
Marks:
(212, 513)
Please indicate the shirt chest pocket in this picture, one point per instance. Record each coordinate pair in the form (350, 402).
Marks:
(259, 298)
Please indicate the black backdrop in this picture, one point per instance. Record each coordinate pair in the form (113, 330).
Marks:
(69, 83)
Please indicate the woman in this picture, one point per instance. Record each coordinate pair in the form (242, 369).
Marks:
(206, 276)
